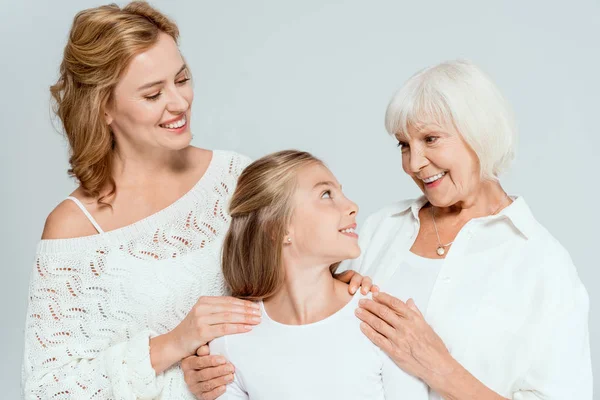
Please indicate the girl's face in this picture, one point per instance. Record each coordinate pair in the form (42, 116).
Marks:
(323, 221)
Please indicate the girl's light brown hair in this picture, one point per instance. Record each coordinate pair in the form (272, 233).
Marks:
(261, 210)
(101, 43)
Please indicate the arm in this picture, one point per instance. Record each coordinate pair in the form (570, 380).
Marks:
(400, 330)
(74, 347)
(561, 364)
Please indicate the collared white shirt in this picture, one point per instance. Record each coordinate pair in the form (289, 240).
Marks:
(507, 301)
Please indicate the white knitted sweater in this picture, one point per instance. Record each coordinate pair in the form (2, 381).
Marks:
(95, 301)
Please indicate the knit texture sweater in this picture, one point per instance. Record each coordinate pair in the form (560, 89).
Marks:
(95, 301)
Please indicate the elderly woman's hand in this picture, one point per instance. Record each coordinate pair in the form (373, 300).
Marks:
(400, 330)
(355, 281)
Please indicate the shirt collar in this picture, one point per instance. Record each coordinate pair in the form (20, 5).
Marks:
(518, 213)
(521, 216)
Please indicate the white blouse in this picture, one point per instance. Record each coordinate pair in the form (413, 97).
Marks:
(507, 301)
(414, 279)
(276, 361)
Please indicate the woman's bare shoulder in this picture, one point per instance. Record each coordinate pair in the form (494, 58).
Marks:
(67, 220)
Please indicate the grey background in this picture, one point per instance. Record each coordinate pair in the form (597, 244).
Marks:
(318, 75)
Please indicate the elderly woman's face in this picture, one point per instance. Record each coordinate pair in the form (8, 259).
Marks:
(440, 162)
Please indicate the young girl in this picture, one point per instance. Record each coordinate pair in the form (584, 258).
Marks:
(291, 226)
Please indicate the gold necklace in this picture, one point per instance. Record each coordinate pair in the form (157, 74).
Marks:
(441, 249)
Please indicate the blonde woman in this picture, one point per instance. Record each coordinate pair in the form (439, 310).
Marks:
(122, 282)
(291, 226)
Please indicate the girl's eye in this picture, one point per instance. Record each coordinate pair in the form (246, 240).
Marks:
(326, 194)
(154, 96)
(183, 81)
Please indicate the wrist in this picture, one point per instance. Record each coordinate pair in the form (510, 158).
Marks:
(165, 350)
(445, 380)
(456, 383)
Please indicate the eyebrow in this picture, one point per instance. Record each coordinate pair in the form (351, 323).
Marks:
(326, 183)
(149, 85)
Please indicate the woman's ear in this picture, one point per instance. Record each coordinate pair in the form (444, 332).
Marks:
(108, 118)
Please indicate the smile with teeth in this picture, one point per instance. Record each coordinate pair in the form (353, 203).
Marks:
(347, 230)
(434, 178)
(176, 124)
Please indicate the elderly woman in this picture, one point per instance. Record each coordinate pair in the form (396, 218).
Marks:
(494, 306)
(482, 302)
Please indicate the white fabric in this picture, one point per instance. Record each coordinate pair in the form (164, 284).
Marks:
(507, 302)
(95, 301)
(329, 359)
(414, 278)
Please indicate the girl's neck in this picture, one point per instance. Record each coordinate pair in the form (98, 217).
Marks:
(309, 294)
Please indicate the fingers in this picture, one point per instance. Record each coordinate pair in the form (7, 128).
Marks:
(365, 285)
(411, 304)
(355, 282)
(211, 385)
(197, 363)
(345, 276)
(210, 374)
(378, 339)
(209, 308)
(399, 307)
(212, 395)
(203, 350)
(375, 323)
(382, 311)
(227, 300)
(231, 318)
(214, 331)
(207, 376)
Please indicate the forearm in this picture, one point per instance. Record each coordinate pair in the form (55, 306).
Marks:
(164, 352)
(122, 370)
(460, 384)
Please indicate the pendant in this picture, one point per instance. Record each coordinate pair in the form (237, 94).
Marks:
(441, 251)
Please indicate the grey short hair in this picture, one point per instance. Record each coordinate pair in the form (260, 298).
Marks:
(458, 93)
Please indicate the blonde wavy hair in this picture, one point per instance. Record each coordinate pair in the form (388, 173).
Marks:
(261, 210)
(101, 43)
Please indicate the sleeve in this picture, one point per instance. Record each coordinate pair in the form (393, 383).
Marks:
(561, 366)
(235, 390)
(397, 384)
(70, 350)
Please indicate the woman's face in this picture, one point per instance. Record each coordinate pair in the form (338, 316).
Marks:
(150, 107)
(441, 163)
(323, 221)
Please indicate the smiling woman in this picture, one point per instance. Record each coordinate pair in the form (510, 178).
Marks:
(482, 302)
(127, 280)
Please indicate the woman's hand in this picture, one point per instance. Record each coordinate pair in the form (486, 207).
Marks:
(400, 330)
(211, 317)
(206, 376)
(356, 280)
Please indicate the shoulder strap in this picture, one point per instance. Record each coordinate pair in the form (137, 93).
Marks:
(86, 212)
